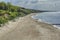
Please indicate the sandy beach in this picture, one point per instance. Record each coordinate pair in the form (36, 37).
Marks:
(26, 28)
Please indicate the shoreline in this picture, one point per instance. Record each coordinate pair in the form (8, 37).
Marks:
(10, 26)
(29, 29)
(39, 20)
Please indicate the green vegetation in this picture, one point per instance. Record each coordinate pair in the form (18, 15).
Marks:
(9, 12)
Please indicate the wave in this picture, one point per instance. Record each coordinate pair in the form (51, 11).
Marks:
(54, 22)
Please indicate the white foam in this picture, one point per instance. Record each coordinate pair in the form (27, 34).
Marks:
(49, 23)
(39, 20)
(56, 26)
(33, 17)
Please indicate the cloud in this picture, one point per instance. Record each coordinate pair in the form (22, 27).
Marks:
(5, 0)
(42, 0)
(50, 5)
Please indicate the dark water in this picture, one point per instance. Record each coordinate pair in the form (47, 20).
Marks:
(49, 17)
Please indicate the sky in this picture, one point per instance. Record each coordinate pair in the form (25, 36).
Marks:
(50, 5)
(5, 0)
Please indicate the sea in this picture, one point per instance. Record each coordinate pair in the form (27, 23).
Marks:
(48, 17)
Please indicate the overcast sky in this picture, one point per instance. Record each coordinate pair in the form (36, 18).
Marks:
(51, 5)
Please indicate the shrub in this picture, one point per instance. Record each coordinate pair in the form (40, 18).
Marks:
(3, 20)
(9, 12)
(12, 15)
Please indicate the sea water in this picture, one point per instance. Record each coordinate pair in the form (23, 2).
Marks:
(49, 17)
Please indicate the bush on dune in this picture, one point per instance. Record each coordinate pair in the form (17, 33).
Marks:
(9, 12)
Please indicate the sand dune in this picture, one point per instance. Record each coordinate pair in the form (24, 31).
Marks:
(30, 29)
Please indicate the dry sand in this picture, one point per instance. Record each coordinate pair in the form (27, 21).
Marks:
(27, 28)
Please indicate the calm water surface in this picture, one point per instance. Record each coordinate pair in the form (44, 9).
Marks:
(49, 17)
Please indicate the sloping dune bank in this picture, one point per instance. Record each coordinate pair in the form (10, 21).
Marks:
(29, 29)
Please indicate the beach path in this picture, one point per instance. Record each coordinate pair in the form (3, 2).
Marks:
(30, 29)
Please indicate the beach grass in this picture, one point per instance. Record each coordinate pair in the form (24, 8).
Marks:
(10, 12)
